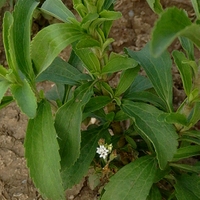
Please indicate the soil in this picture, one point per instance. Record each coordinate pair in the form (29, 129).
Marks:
(133, 30)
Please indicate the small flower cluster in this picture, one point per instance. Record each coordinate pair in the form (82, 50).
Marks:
(103, 150)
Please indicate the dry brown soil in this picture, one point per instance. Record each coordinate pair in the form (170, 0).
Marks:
(133, 31)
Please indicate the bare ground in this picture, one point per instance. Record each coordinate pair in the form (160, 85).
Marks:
(133, 31)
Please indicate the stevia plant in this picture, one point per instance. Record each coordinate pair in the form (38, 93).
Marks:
(130, 133)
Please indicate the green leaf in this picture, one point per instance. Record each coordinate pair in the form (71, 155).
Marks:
(154, 194)
(173, 118)
(187, 168)
(25, 98)
(185, 71)
(41, 152)
(155, 5)
(173, 23)
(2, 2)
(126, 79)
(110, 15)
(188, 47)
(132, 182)
(89, 59)
(68, 124)
(6, 100)
(7, 39)
(4, 85)
(140, 83)
(89, 143)
(187, 187)
(21, 35)
(57, 9)
(50, 41)
(118, 63)
(62, 72)
(97, 103)
(194, 116)
(161, 134)
(158, 71)
(186, 152)
(108, 3)
(147, 97)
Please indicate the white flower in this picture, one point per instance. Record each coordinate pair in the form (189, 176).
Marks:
(102, 151)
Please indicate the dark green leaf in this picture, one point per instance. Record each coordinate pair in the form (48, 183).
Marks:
(41, 152)
(89, 143)
(25, 98)
(68, 124)
(6, 100)
(62, 72)
(140, 83)
(50, 41)
(187, 168)
(57, 9)
(97, 103)
(194, 116)
(187, 152)
(132, 182)
(162, 135)
(21, 35)
(147, 97)
(187, 187)
(159, 72)
(185, 71)
(154, 194)
(118, 63)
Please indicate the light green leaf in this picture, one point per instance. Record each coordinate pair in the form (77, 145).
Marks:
(158, 71)
(8, 40)
(196, 6)
(110, 15)
(185, 71)
(57, 9)
(89, 59)
(161, 134)
(62, 72)
(126, 79)
(50, 41)
(194, 116)
(117, 63)
(187, 187)
(155, 5)
(188, 47)
(25, 98)
(21, 35)
(4, 85)
(132, 182)
(41, 152)
(89, 143)
(187, 152)
(68, 124)
(172, 24)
